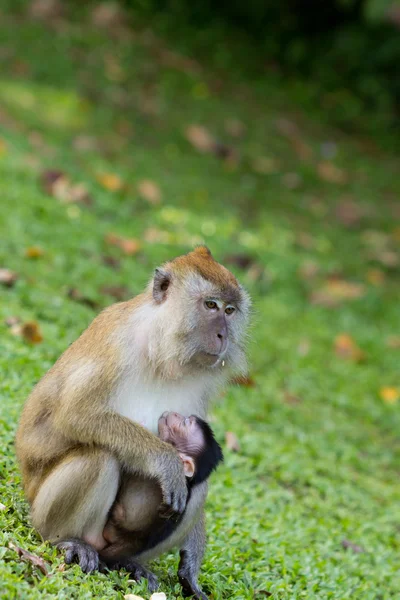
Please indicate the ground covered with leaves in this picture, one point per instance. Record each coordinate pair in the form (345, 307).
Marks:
(116, 153)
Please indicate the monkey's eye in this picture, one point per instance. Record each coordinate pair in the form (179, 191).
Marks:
(229, 310)
(211, 304)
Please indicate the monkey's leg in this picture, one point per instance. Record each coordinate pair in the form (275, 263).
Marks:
(192, 553)
(73, 502)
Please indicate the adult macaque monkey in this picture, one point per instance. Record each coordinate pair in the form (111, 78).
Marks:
(92, 419)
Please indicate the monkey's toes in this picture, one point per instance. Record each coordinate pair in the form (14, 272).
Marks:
(191, 588)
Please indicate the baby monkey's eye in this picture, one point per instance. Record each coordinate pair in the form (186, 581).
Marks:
(211, 304)
(229, 310)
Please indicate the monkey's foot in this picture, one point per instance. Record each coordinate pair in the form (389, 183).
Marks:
(79, 551)
(190, 587)
(137, 571)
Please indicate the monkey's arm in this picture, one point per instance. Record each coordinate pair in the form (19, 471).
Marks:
(84, 417)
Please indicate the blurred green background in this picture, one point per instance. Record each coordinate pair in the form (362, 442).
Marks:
(129, 132)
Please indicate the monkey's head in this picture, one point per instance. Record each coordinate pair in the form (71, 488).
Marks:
(195, 442)
(203, 312)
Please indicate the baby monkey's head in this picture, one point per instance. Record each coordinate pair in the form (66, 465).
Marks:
(195, 442)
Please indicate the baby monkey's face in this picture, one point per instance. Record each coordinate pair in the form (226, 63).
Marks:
(184, 433)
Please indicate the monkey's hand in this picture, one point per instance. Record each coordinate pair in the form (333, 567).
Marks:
(172, 479)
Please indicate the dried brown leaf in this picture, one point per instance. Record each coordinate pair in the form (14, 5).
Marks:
(129, 246)
(393, 342)
(31, 333)
(390, 395)
(119, 292)
(346, 347)
(36, 561)
(77, 296)
(243, 380)
(108, 15)
(349, 213)
(376, 277)
(327, 171)
(348, 545)
(308, 270)
(235, 128)
(290, 398)
(336, 291)
(150, 191)
(111, 261)
(232, 442)
(265, 165)
(12, 321)
(34, 252)
(8, 277)
(110, 181)
(200, 138)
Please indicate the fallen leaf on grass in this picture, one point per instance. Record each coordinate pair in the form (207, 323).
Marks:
(156, 236)
(119, 292)
(110, 181)
(348, 545)
(129, 246)
(265, 165)
(111, 261)
(31, 333)
(243, 380)
(56, 183)
(308, 270)
(346, 347)
(335, 291)
(158, 596)
(8, 277)
(77, 296)
(34, 252)
(108, 15)
(12, 321)
(200, 138)
(327, 171)
(132, 597)
(390, 395)
(232, 443)
(376, 277)
(349, 213)
(240, 260)
(235, 128)
(150, 191)
(290, 398)
(393, 342)
(36, 561)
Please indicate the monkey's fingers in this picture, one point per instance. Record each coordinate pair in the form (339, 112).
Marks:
(78, 551)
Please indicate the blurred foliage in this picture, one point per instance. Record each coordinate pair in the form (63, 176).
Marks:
(347, 52)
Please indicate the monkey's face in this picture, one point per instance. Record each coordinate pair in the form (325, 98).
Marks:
(205, 311)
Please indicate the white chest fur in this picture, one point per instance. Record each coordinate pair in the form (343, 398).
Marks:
(145, 402)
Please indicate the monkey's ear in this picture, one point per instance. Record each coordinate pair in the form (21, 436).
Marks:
(188, 465)
(161, 282)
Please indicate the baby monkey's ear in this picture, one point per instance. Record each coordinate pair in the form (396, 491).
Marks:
(188, 465)
(161, 282)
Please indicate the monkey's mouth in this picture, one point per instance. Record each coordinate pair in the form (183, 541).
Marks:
(210, 359)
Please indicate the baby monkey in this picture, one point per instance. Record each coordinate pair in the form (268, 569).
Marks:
(137, 522)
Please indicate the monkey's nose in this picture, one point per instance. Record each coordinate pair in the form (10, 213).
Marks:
(222, 337)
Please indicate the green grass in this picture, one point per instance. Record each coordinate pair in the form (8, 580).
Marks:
(319, 459)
